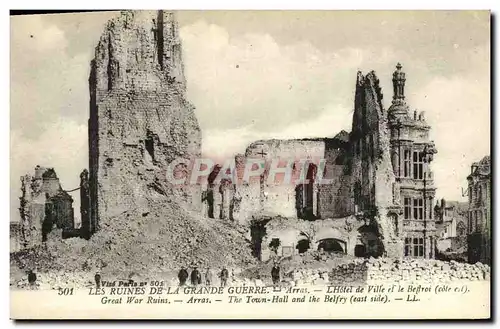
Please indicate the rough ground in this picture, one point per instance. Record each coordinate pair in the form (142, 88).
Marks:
(311, 260)
(158, 241)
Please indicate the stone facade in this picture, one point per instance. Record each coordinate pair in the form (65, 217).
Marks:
(303, 200)
(479, 211)
(411, 154)
(379, 173)
(451, 219)
(43, 205)
(140, 121)
(374, 186)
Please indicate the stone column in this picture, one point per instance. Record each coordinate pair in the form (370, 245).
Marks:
(217, 201)
(427, 247)
(225, 200)
(315, 199)
(433, 246)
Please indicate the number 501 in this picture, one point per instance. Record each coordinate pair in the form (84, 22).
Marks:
(65, 291)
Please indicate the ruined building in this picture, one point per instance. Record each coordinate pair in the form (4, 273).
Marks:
(411, 154)
(43, 206)
(140, 120)
(479, 212)
(380, 194)
(450, 219)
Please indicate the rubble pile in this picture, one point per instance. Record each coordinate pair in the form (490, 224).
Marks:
(305, 267)
(159, 241)
(429, 270)
(339, 270)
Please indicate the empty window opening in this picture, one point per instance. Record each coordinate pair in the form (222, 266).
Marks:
(303, 245)
(274, 245)
(150, 147)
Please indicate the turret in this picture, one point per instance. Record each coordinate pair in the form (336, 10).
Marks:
(398, 99)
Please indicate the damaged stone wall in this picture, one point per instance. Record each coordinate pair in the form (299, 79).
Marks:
(140, 120)
(335, 199)
(296, 236)
(374, 181)
(43, 206)
(263, 197)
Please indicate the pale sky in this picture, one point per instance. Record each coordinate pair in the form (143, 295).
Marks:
(258, 75)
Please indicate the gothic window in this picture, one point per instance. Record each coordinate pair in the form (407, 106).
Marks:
(418, 165)
(418, 209)
(406, 163)
(407, 206)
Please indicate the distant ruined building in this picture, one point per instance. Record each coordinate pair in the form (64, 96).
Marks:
(380, 198)
(140, 120)
(479, 212)
(44, 205)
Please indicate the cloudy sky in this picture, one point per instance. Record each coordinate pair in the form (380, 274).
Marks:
(255, 75)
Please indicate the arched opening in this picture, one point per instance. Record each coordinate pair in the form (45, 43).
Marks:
(303, 246)
(332, 246)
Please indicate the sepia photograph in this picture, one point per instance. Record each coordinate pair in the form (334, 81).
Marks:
(272, 164)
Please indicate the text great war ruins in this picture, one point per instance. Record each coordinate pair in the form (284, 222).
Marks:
(379, 202)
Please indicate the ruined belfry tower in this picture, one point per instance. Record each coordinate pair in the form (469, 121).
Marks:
(140, 120)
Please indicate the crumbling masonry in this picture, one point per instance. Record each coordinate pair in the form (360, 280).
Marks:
(43, 206)
(140, 120)
(380, 198)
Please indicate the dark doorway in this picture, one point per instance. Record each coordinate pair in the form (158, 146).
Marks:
(210, 203)
(48, 221)
(303, 246)
(331, 245)
(210, 191)
(257, 232)
(360, 250)
(274, 245)
(150, 146)
(304, 195)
